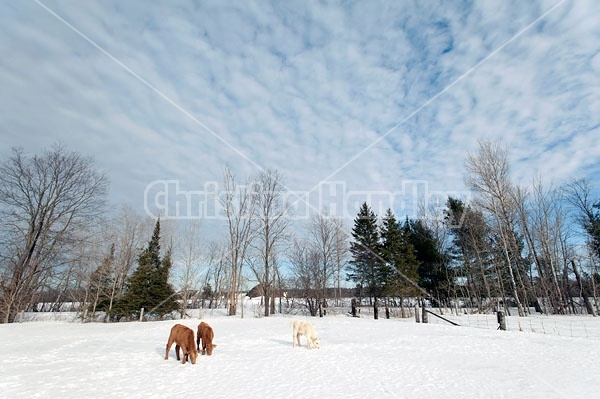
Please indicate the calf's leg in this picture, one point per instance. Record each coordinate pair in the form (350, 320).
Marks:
(177, 351)
(169, 343)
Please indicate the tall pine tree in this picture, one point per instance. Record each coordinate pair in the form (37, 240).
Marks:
(592, 227)
(433, 273)
(470, 251)
(148, 287)
(365, 268)
(401, 277)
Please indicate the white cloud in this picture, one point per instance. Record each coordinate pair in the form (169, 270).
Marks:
(304, 88)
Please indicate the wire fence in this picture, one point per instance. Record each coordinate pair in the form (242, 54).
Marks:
(576, 326)
(580, 326)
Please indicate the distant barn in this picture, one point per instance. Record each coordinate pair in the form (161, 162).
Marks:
(258, 291)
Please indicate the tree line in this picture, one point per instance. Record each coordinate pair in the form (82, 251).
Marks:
(524, 247)
(536, 246)
(532, 247)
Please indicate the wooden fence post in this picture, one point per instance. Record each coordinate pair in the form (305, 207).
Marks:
(141, 314)
(417, 314)
(424, 314)
(242, 302)
(501, 320)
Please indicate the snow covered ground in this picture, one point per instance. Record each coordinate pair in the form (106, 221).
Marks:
(359, 358)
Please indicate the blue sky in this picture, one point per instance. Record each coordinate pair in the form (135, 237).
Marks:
(368, 94)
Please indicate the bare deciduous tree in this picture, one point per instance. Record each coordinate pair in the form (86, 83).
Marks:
(270, 224)
(44, 200)
(578, 194)
(217, 275)
(99, 282)
(544, 228)
(488, 175)
(341, 251)
(325, 240)
(305, 262)
(316, 261)
(238, 206)
(189, 264)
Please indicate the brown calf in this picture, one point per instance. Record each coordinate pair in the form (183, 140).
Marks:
(206, 333)
(184, 338)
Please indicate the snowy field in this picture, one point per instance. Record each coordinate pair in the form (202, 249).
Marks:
(359, 358)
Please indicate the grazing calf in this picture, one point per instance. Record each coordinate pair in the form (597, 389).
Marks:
(206, 334)
(305, 328)
(184, 338)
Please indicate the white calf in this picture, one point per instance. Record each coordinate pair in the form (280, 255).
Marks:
(305, 328)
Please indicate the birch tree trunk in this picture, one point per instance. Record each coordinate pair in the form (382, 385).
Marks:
(271, 222)
(488, 175)
(238, 205)
(585, 295)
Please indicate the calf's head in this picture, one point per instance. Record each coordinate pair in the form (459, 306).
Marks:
(209, 348)
(315, 342)
(193, 356)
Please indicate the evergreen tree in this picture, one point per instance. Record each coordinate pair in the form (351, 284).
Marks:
(165, 291)
(592, 227)
(432, 270)
(365, 268)
(400, 273)
(148, 286)
(470, 249)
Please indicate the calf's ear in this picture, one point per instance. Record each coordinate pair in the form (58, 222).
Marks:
(214, 346)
